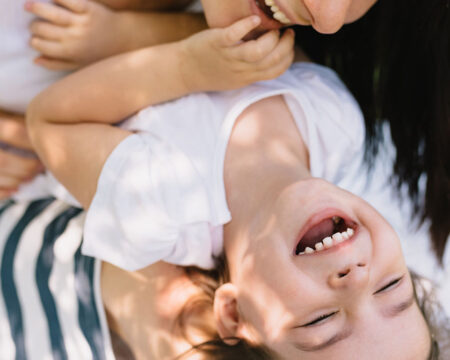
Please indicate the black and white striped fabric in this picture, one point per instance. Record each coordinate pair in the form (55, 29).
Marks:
(50, 305)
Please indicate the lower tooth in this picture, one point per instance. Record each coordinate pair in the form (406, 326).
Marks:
(319, 246)
(350, 231)
(338, 237)
(327, 242)
(308, 250)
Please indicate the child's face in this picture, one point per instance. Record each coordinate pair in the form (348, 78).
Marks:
(353, 300)
(326, 16)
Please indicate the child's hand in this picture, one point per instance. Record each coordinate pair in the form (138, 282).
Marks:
(218, 59)
(72, 33)
(17, 164)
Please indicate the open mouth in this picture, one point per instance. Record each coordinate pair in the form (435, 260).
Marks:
(270, 9)
(326, 234)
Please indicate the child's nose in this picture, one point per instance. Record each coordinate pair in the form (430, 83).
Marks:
(353, 276)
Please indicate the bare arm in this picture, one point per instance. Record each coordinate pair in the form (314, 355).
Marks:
(152, 5)
(71, 33)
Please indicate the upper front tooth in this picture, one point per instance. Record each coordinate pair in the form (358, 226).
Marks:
(338, 237)
(274, 8)
(319, 246)
(281, 17)
(328, 242)
(308, 250)
(269, 2)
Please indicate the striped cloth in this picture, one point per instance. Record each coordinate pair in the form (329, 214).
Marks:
(50, 305)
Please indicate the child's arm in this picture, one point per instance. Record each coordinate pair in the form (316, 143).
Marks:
(18, 164)
(70, 34)
(69, 123)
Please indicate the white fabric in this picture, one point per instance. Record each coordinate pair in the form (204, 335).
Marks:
(20, 81)
(20, 78)
(161, 194)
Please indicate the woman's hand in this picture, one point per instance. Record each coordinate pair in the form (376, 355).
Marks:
(18, 163)
(219, 59)
(70, 34)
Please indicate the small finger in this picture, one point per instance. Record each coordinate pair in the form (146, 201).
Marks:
(50, 12)
(17, 166)
(237, 31)
(284, 48)
(9, 182)
(78, 6)
(277, 70)
(256, 50)
(46, 30)
(47, 47)
(6, 193)
(55, 64)
(13, 132)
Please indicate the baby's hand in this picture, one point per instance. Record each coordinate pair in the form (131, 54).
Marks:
(18, 164)
(70, 34)
(219, 59)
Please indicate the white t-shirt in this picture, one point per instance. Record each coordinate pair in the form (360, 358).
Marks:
(161, 193)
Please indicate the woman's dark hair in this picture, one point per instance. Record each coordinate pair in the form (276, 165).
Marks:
(396, 62)
(199, 311)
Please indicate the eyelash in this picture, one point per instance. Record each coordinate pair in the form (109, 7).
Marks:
(389, 286)
(320, 319)
(326, 316)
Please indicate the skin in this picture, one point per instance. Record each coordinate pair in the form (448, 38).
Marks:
(273, 292)
(325, 16)
(268, 162)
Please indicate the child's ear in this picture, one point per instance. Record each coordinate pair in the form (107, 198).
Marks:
(226, 312)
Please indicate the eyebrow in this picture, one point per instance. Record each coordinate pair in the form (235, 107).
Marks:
(333, 340)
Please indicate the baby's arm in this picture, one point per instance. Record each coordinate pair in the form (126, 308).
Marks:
(70, 34)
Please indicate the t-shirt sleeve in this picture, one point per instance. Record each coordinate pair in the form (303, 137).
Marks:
(330, 122)
(150, 205)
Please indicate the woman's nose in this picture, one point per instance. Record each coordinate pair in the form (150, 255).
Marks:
(328, 16)
(354, 276)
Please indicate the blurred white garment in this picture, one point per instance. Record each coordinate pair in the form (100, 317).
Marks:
(20, 81)
(20, 78)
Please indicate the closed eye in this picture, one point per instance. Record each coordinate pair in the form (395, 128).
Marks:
(319, 320)
(389, 286)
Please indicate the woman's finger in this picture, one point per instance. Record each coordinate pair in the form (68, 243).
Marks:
(51, 12)
(56, 64)
(236, 32)
(46, 30)
(256, 50)
(78, 6)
